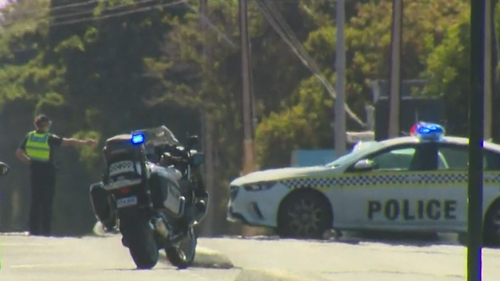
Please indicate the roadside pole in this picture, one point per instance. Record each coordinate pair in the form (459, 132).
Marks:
(248, 105)
(476, 132)
(210, 223)
(248, 151)
(339, 103)
(395, 70)
(488, 73)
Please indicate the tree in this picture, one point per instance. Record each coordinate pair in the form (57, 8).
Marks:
(448, 72)
(368, 36)
(105, 67)
(305, 125)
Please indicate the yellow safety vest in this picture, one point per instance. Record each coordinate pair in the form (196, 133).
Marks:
(37, 146)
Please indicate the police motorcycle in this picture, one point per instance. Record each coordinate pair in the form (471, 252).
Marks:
(151, 194)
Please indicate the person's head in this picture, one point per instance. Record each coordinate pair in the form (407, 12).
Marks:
(42, 123)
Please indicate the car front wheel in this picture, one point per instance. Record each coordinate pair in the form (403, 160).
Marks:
(305, 214)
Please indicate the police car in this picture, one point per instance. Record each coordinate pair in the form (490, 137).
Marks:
(415, 183)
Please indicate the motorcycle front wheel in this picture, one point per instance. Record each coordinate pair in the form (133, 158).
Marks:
(181, 255)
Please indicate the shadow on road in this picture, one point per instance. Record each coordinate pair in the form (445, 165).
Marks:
(390, 238)
(401, 238)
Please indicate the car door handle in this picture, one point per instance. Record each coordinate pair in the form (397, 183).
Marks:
(412, 178)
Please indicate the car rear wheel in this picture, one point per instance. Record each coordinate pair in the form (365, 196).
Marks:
(305, 214)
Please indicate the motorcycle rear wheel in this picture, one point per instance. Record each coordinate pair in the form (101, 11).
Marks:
(183, 253)
(141, 243)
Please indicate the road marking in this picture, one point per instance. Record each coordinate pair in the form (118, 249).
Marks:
(25, 233)
(48, 265)
(23, 244)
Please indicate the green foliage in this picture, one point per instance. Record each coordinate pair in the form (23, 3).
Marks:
(97, 78)
(305, 125)
(88, 155)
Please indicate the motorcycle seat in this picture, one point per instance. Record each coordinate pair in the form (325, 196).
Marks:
(174, 172)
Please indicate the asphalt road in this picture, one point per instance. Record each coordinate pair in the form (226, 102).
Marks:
(103, 258)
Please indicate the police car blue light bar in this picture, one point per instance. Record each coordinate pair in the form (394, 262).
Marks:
(137, 139)
(427, 131)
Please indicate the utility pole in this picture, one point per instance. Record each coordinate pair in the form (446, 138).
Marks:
(248, 149)
(488, 70)
(395, 77)
(476, 133)
(339, 107)
(207, 132)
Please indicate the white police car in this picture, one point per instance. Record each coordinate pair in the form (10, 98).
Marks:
(416, 183)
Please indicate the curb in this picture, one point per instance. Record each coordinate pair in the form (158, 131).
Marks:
(207, 258)
(272, 275)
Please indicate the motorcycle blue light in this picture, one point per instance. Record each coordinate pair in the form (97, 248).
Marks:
(428, 131)
(138, 138)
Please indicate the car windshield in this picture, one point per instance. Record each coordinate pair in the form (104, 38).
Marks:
(355, 155)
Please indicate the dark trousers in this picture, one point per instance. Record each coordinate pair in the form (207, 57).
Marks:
(43, 183)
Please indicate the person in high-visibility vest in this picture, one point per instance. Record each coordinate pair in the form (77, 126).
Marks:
(36, 151)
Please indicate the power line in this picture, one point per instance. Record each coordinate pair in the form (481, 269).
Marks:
(118, 7)
(68, 6)
(27, 12)
(211, 25)
(145, 9)
(80, 13)
(205, 18)
(299, 51)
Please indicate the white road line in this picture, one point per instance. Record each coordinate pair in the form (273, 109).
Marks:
(48, 265)
(23, 244)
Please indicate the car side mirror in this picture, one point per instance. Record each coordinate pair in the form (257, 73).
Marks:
(198, 159)
(364, 165)
(191, 141)
(4, 169)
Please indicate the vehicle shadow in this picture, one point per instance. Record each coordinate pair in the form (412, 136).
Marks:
(390, 238)
(398, 238)
(384, 237)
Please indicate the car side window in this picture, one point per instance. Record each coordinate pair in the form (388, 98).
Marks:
(492, 161)
(421, 157)
(397, 159)
(457, 157)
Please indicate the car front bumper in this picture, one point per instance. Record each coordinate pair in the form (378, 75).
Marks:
(255, 207)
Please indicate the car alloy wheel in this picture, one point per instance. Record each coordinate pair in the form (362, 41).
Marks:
(305, 217)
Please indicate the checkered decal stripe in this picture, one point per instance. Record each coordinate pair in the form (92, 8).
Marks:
(491, 178)
(393, 179)
(121, 167)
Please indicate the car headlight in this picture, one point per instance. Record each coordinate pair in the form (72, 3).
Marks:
(260, 186)
(233, 192)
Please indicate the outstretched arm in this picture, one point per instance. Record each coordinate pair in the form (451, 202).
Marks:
(77, 142)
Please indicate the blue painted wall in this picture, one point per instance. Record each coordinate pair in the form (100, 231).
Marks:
(307, 158)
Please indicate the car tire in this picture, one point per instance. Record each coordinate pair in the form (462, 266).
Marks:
(305, 214)
(491, 226)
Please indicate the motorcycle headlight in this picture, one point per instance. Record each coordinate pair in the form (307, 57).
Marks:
(260, 186)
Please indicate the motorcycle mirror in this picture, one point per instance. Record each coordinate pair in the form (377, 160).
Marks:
(192, 141)
(198, 159)
(4, 169)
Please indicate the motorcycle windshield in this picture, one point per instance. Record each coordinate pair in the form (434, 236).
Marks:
(157, 136)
